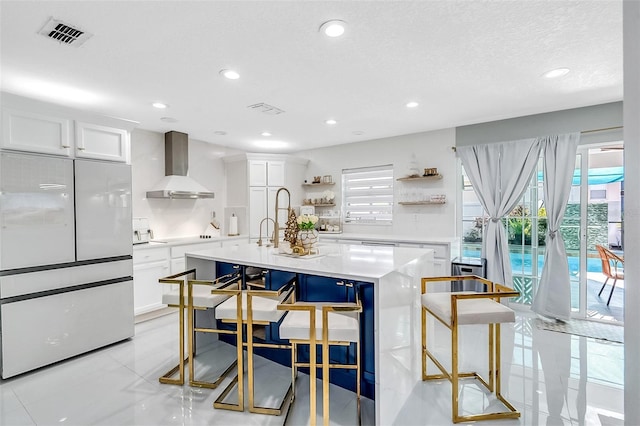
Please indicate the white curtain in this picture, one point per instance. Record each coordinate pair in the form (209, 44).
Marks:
(499, 173)
(553, 298)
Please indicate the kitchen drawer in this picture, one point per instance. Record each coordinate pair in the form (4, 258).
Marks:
(150, 255)
(179, 251)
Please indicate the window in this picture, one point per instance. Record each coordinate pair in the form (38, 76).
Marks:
(367, 195)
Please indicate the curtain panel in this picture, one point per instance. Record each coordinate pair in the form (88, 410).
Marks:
(499, 173)
(553, 297)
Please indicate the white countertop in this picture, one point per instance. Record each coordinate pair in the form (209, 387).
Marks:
(356, 262)
(172, 242)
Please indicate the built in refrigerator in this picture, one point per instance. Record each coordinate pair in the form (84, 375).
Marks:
(66, 283)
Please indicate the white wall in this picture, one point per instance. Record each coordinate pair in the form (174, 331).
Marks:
(432, 149)
(631, 17)
(176, 218)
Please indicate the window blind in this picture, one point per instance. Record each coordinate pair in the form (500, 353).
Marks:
(367, 195)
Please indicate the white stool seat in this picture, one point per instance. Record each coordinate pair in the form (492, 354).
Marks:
(202, 297)
(264, 309)
(470, 311)
(343, 326)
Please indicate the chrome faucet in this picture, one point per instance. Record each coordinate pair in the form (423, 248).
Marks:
(260, 238)
(276, 226)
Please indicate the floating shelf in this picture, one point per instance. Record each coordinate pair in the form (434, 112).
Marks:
(319, 184)
(320, 205)
(434, 177)
(329, 232)
(419, 203)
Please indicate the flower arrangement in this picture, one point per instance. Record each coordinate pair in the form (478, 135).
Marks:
(328, 196)
(307, 221)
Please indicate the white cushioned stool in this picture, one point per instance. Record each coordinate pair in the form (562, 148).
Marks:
(199, 297)
(254, 307)
(454, 309)
(335, 324)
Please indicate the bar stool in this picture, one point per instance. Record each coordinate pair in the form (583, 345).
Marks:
(335, 324)
(199, 298)
(454, 309)
(254, 307)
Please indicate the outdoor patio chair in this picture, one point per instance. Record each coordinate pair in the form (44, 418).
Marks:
(612, 267)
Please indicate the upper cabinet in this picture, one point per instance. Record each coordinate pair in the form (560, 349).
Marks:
(101, 142)
(266, 173)
(30, 131)
(34, 126)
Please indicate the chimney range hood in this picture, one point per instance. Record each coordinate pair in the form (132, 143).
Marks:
(176, 183)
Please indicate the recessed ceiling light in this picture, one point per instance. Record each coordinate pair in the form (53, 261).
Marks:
(558, 72)
(265, 134)
(220, 133)
(168, 119)
(331, 122)
(333, 28)
(159, 105)
(230, 74)
(412, 104)
(358, 132)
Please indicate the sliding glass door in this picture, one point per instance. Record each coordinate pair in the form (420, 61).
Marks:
(601, 224)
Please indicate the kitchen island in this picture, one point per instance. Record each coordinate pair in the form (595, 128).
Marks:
(389, 281)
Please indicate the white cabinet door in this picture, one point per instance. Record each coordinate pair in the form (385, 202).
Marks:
(257, 210)
(147, 291)
(36, 210)
(101, 142)
(257, 173)
(103, 209)
(27, 131)
(275, 173)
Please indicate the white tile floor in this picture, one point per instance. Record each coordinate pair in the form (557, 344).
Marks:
(552, 378)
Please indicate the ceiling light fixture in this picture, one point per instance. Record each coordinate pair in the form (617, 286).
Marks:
(412, 104)
(558, 72)
(230, 74)
(265, 134)
(168, 120)
(331, 122)
(159, 105)
(333, 28)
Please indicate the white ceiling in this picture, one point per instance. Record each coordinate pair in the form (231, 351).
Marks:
(464, 61)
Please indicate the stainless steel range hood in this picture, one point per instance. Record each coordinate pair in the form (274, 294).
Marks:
(176, 183)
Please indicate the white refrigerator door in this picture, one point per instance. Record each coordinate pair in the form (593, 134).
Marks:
(36, 210)
(103, 209)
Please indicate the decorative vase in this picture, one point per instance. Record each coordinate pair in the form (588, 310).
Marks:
(307, 238)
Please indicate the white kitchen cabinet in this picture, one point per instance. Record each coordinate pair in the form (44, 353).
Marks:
(149, 265)
(101, 142)
(254, 179)
(36, 132)
(266, 173)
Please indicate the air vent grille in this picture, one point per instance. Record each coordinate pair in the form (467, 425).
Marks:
(64, 33)
(266, 109)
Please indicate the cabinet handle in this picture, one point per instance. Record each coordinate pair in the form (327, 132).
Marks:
(80, 148)
(65, 146)
(349, 284)
(340, 283)
(236, 267)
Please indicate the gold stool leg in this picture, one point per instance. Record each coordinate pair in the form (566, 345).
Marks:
(167, 377)
(238, 380)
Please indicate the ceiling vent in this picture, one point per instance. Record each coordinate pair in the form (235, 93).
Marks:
(266, 109)
(64, 33)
